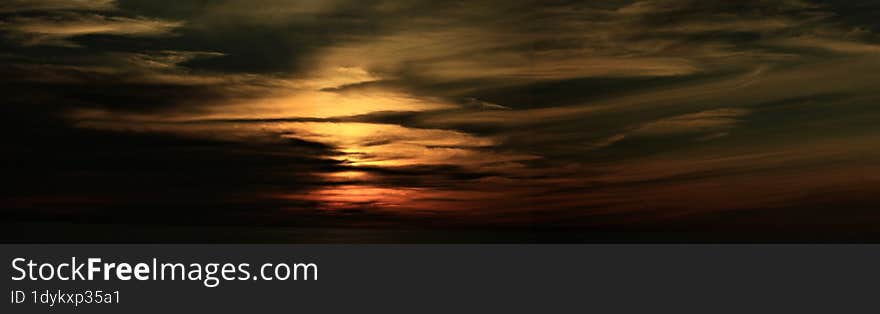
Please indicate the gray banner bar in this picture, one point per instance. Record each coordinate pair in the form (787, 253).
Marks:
(479, 278)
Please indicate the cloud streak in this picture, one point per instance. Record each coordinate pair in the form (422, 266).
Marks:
(56, 5)
(58, 30)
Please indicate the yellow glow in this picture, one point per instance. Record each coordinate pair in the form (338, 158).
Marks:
(360, 144)
(322, 104)
(343, 176)
(348, 196)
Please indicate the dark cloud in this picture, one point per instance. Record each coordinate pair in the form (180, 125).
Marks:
(139, 176)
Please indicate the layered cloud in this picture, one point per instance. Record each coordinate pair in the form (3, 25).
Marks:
(55, 5)
(59, 28)
(668, 113)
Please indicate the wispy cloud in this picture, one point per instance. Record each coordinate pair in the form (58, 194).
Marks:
(52, 5)
(701, 122)
(59, 29)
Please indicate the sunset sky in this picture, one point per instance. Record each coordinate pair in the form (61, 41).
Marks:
(667, 115)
